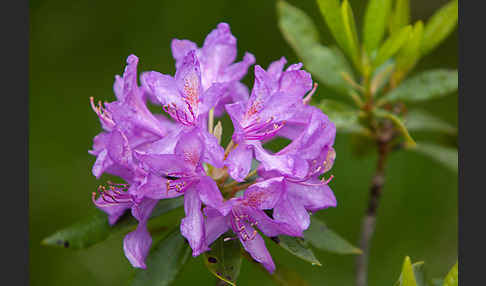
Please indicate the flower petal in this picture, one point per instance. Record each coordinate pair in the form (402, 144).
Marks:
(211, 196)
(239, 162)
(265, 194)
(136, 245)
(314, 197)
(292, 212)
(192, 226)
(213, 152)
(215, 224)
(257, 249)
(180, 48)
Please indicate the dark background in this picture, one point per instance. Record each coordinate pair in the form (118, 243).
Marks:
(76, 48)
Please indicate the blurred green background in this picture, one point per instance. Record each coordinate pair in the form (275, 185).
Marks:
(77, 47)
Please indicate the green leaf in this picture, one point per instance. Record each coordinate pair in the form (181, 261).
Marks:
(392, 45)
(296, 26)
(436, 282)
(407, 277)
(445, 155)
(331, 12)
(224, 259)
(95, 229)
(420, 120)
(439, 26)
(375, 21)
(350, 30)
(400, 16)
(322, 237)
(399, 124)
(164, 262)
(342, 115)
(451, 278)
(426, 85)
(324, 63)
(410, 53)
(298, 247)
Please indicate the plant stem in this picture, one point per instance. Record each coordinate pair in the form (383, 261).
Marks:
(369, 220)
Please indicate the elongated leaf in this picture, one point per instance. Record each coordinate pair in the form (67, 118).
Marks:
(420, 120)
(407, 277)
(324, 63)
(224, 259)
(399, 124)
(322, 237)
(298, 247)
(164, 261)
(400, 16)
(410, 53)
(425, 86)
(375, 21)
(342, 115)
(392, 45)
(451, 278)
(439, 26)
(445, 155)
(95, 228)
(296, 26)
(331, 12)
(350, 30)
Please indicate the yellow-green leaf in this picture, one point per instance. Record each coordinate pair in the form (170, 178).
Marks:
(400, 16)
(375, 21)
(331, 12)
(451, 278)
(351, 34)
(439, 26)
(407, 278)
(342, 115)
(420, 120)
(410, 53)
(392, 45)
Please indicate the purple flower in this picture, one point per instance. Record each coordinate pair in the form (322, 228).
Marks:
(276, 96)
(187, 103)
(246, 214)
(216, 58)
(182, 173)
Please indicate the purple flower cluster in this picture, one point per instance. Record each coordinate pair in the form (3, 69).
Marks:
(161, 156)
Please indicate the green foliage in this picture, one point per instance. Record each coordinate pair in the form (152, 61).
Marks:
(392, 45)
(400, 16)
(411, 274)
(331, 12)
(451, 278)
(439, 26)
(164, 262)
(425, 86)
(224, 259)
(298, 247)
(375, 21)
(410, 53)
(447, 156)
(420, 120)
(95, 229)
(324, 63)
(350, 31)
(322, 237)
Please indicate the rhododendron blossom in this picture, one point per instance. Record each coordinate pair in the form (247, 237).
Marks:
(242, 187)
